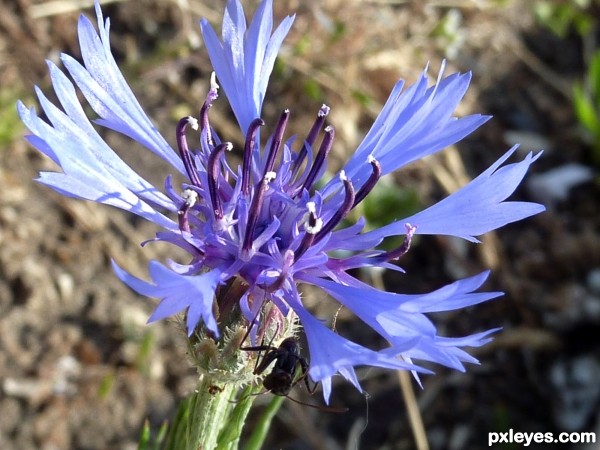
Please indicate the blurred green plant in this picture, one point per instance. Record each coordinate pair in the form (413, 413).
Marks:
(384, 204)
(11, 127)
(106, 385)
(579, 16)
(449, 33)
(147, 441)
(563, 16)
(140, 339)
(145, 352)
(586, 101)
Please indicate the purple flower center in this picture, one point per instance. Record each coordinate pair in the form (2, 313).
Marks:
(266, 214)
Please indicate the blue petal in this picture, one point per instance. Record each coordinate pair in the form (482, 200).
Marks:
(244, 60)
(447, 351)
(330, 353)
(90, 167)
(107, 92)
(413, 124)
(477, 208)
(399, 317)
(75, 122)
(178, 292)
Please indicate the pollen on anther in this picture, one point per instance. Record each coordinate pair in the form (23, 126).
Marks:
(270, 176)
(193, 122)
(213, 82)
(313, 223)
(190, 197)
(343, 176)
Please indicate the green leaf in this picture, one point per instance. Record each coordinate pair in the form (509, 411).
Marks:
(593, 78)
(387, 202)
(144, 442)
(261, 429)
(230, 434)
(313, 89)
(11, 127)
(585, 110)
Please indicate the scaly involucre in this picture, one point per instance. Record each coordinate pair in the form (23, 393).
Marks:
(265, 222)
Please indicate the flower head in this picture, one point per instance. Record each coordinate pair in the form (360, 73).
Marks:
(264, 224)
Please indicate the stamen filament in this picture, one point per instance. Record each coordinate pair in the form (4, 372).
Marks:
(210, 98)
(248, 150)
(370, 183)
(326, 145)
(342, 211)
(184, 151)
(310, 139)
(276, 140)
(213, 178)
(255, 210)
(403, 249)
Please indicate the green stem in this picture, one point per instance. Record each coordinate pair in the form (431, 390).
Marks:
(259, 434)
(205, 415)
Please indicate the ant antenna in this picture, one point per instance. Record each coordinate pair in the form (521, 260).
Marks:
(330, 409)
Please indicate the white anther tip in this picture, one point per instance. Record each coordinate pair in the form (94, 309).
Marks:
(324, 110)
(213, 82)
(193, 122)
(316, 228)
(190, 196)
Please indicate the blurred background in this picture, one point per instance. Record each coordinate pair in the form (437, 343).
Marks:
(79, 369)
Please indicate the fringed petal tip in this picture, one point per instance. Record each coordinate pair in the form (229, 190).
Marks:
(177, 293)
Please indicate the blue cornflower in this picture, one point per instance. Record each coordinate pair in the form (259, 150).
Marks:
(264, 224)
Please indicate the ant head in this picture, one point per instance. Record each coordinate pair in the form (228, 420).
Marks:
(278, 383)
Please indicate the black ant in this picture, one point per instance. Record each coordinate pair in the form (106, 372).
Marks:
(287, 358)
(284, 375)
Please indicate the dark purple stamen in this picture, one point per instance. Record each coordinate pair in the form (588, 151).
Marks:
(310, 139)
(342, 211)
(326, 145)
(184, 151)
(248, 150)
(403, 249)
(213, 178)
(255, 209)
(276, 141)
(312, 227)
(182, 215)
(210, 98)
(190, 197)
(370, 183)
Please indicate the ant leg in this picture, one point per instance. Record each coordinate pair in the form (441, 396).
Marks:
(272, 353)
(304, 366)
(252, 349)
